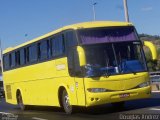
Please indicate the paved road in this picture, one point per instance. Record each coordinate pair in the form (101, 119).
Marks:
(147, 109)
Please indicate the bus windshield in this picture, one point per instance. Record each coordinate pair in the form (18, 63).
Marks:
(114, 58)
(110, 56)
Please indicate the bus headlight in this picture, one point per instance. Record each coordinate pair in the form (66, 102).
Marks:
(96, 90)
(144, 84)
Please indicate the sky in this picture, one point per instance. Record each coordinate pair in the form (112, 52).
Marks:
(23, 20)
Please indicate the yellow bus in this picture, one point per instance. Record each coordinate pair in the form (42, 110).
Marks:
(84, 64)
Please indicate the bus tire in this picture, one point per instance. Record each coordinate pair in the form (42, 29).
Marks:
(20, 102)
(66, 103)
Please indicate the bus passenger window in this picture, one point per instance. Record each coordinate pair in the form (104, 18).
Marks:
(70, 38)
(33, 53)
(43, 50)
(49, 46)
(12, 60)
(17, 58)
(70, 57)
(22, 56)
(58, 46)
(6, 62)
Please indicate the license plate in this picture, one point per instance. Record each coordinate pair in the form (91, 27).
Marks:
(124, 95)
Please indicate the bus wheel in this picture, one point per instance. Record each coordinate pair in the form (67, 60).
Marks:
(66, 103)
(20, 102)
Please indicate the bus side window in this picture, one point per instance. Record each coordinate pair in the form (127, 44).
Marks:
(73, 63)
(33, 54)
(12, 60)
(71, 43)
(43, 50)
(22, 56)
(49, 46)
(58, 45)
(17, 58)
(70, 58)
(70, 38)
(53, 47)
(6, 62)
(26, 51)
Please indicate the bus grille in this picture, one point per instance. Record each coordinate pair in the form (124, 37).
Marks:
(8, 91)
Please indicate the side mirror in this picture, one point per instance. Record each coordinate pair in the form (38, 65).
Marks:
(152, 48)
(81, 55)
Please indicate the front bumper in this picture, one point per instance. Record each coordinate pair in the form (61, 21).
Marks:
(93, 99)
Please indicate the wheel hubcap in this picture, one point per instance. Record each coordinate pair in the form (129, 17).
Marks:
(20, 102)
(66, 98)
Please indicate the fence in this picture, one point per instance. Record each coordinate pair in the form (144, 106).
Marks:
(155, 81)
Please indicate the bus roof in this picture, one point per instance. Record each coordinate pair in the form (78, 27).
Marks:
(92, 24)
